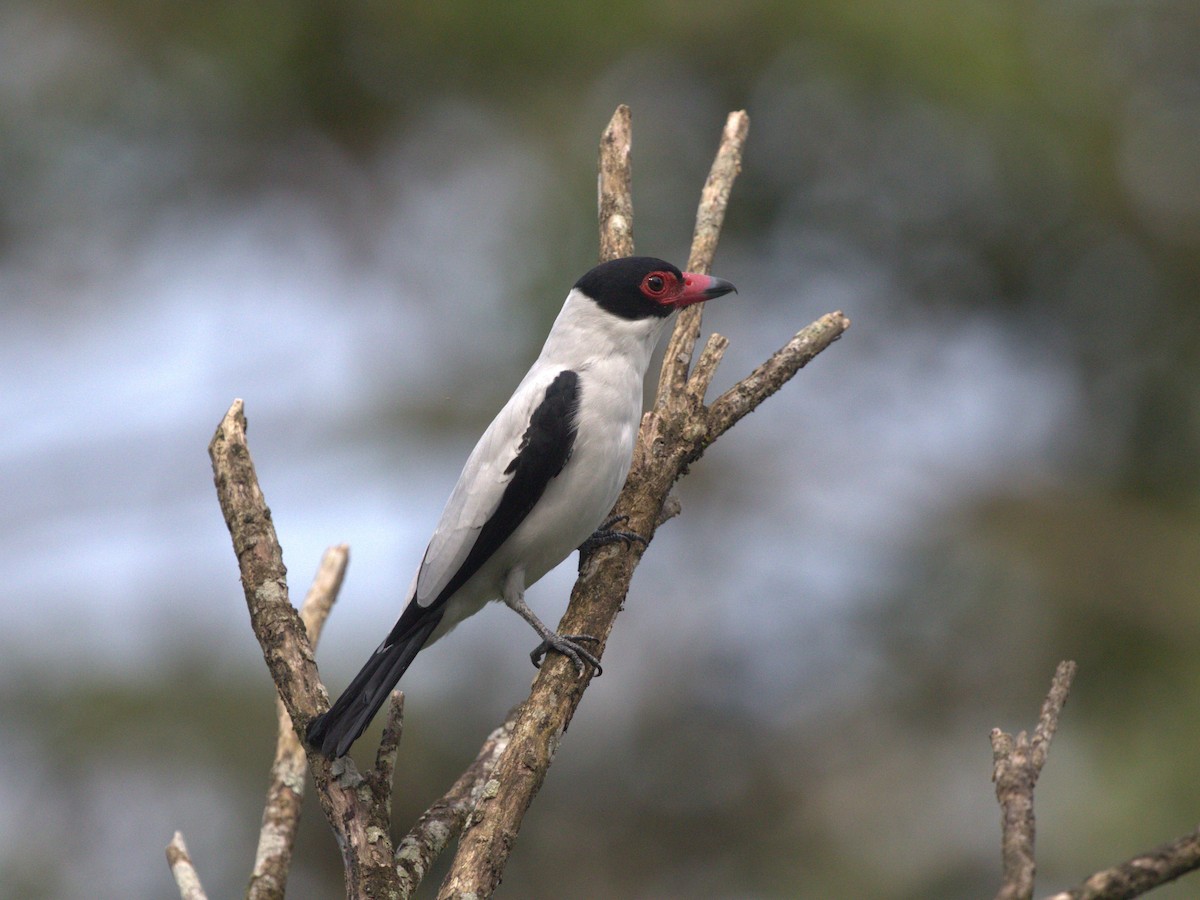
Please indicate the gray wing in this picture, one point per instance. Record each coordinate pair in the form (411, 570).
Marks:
(485, 481)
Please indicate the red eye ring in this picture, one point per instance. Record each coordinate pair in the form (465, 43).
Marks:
(656, 284)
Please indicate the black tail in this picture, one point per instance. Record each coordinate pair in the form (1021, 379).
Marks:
(333, 732)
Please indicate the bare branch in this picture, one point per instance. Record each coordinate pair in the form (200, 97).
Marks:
(773, 374)
(714, 198)
(264, 577)
(285, 794)
(186, 878)
(324, 590)
(1017, 763)
(710, 216)
(614, 186)
(706, 367)
(445, 819)
(1141, 874)
(1052, 708)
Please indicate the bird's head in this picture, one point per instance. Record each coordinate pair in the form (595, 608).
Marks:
(642, 287)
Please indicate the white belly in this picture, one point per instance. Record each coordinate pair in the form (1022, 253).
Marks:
(575, 502)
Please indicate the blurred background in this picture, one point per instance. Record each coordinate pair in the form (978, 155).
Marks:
(363, 218)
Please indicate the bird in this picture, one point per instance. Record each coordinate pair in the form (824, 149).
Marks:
(540, 481)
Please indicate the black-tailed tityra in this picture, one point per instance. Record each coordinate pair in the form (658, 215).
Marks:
(539, 482)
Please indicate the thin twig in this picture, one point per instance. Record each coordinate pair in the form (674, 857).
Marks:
(186, 878)
(706, 367)
(389, 746)
(1141, 874)
(710, 217)
(324, 590)
(1017, 763)
(285, 793)
(714, 197)
(1052, 707)
(614, 185)
(770, 376)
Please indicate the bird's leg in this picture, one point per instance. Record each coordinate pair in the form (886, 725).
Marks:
(566, 644)
(606, 534)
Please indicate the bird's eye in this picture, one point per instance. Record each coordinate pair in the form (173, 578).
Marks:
(654, 285)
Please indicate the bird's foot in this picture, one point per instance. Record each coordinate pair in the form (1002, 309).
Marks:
(568, 646)
(606, 534)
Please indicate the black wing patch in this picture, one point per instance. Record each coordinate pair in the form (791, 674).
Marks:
(544, 450)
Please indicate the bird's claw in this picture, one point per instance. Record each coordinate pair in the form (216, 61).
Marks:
(606, 534)
(568, 646)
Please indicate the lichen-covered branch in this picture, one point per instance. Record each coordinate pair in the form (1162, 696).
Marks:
(285, 793)
(384, 774)
(614, 186)
(672, 435)
(444, 820)
(182, 869)
(1016, 764)
(275, 622)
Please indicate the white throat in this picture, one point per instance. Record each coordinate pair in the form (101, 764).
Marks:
(584, 332)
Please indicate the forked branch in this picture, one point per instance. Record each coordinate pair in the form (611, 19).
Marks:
(1016, 764)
